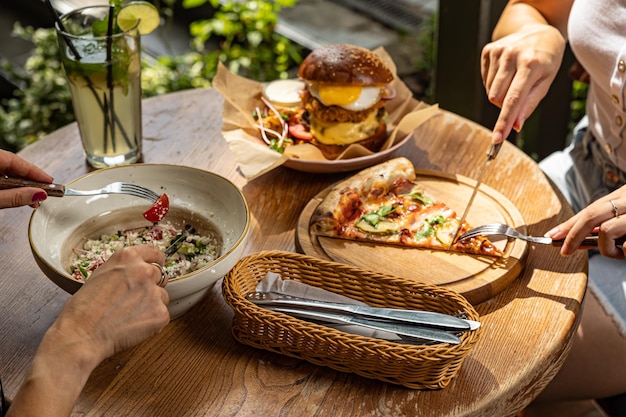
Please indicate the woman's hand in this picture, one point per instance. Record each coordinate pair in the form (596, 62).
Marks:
(603, 216)
(13, 165)
(517, 71)
(119, 306)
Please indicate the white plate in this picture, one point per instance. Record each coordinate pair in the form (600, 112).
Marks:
(343, 165)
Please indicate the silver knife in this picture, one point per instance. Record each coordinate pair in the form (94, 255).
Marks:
(493, 152)
(403, 329)
(414, 317)
(178, 240)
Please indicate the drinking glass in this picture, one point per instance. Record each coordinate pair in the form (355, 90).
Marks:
(104, 76)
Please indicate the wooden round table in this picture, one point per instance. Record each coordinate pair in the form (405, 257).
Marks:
(194, 367)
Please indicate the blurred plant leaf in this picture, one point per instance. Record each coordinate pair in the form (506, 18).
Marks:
(246, 43)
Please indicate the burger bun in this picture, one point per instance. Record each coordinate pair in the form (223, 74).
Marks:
(346, 65)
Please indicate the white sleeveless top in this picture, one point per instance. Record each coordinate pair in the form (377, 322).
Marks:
(597, 35)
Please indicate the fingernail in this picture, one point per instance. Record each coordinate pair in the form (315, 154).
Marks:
(39, 196)
(496, 137)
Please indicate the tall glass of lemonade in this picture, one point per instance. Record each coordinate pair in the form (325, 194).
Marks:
(103, 68)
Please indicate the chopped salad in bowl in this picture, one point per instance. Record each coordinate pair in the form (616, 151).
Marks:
(194, 252)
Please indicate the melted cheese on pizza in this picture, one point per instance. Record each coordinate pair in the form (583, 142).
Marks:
(403, 215)
(384, 204)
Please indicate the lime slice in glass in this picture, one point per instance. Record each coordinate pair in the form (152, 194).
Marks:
(142, 11)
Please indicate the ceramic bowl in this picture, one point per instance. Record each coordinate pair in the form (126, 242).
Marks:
(203, 199)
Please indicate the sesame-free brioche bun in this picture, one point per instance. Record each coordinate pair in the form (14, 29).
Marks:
(345, 64)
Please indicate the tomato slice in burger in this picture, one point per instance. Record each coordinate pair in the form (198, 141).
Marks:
(158, 210)
(298, 130)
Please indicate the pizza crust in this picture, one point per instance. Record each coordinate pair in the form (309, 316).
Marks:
(334, 210)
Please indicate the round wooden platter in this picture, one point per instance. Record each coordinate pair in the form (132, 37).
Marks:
(478, 278)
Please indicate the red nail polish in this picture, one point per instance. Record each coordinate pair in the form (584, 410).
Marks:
(39, 196)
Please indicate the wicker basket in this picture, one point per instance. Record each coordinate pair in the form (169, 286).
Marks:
(414, 366)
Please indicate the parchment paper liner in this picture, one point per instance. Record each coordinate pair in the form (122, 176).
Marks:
(242, 96)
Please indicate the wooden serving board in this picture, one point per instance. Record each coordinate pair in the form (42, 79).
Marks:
(478, 278)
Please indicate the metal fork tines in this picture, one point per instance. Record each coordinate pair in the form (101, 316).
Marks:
(498, 229)
(60, 190)
(117, 188)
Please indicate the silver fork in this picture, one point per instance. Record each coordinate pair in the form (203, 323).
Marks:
(498, 229)
(117, 188)
(59, 190)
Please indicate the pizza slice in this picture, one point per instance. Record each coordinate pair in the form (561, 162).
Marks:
(385, 204)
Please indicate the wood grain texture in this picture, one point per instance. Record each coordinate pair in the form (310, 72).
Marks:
(194, 367)
(478, 278)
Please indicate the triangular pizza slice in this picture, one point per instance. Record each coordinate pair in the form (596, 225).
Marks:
(385, 204)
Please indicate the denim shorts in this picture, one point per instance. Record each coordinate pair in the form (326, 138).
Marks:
(592, 174)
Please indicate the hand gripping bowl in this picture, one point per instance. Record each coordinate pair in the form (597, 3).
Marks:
(203, 199)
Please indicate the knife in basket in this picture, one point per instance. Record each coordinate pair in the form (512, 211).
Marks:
(401, 329)
(414, 317)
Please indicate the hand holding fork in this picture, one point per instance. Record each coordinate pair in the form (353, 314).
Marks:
(59, 190)
(497, 229)
(602, 217)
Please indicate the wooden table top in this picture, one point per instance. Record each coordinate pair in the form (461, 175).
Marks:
(194, 367)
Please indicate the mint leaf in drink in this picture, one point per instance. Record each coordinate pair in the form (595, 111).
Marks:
(100, 27)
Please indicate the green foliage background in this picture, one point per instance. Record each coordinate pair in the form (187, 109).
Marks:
(244, 31)
(239, 34)
(43, 102)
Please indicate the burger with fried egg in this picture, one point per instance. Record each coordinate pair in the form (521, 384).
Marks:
(346, 88)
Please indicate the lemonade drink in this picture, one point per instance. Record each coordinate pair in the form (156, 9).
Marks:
(104, 76)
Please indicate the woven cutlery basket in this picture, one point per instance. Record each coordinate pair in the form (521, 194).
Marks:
(414, 366)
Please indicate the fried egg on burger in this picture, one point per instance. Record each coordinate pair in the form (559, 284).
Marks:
(346, 88)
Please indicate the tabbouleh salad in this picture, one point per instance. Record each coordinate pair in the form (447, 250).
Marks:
(195, 252)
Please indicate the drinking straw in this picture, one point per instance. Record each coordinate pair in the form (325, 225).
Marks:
(109, 66)
(63, 31)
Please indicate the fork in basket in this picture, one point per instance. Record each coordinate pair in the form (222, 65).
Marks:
(59, 190)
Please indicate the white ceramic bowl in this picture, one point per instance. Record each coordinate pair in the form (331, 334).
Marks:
(203, 199)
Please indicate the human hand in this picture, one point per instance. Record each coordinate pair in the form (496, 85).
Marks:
(13, 165)
(601, 216)
(119, 306)
(517, 71)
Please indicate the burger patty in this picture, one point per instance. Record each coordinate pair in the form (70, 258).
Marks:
(336, 114)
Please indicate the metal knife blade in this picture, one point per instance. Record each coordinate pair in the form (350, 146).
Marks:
(415, 317)
(397, 328)
(493, 152)
(178, 240)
